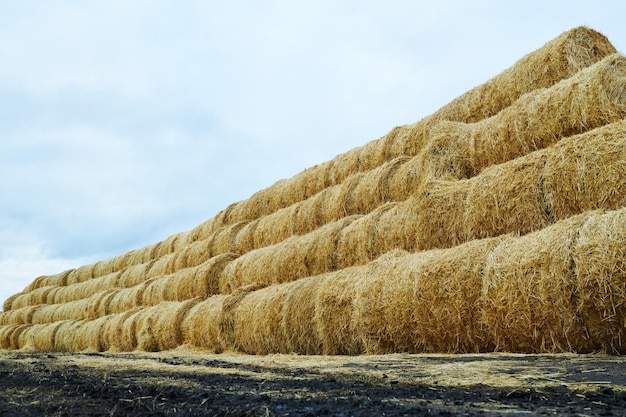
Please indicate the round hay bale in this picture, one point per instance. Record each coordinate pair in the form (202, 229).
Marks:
(243, 241)
(529, 292)
(8, 303)
(64, 338)
(299, 330)
(86, 336)
(43, 336)
(558, 59)
(341, 167)
(257, 321)
(118, 331)
(357, 243)
(74, 310)
(44, 314)
(600, 266)
(275, 228)
(381, 327)
(594, 97)
(160, 327)
(202, 326)
(10, 335)
(438, 219)
(167, 288)
(396, 227)
(295, 258)
(400, 178)
(334, 308)
(124, 299)
(206, 281)
(505, 198)
(323, 208)
(136, 274)
(22, 315)
(396, 140)
(448, 153)
(81, 274)
(37, 296)
(586, 172)
(229, 305)
(224, 239)
(373, 154)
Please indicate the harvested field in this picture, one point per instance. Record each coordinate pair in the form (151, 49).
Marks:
(187, 384)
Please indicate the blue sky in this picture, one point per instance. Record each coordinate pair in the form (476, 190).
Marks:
(122, 123)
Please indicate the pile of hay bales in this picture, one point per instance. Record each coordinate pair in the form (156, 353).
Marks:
(496, 223)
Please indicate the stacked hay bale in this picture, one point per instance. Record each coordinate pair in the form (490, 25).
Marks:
(470, 230)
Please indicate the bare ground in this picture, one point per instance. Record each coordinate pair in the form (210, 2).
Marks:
(194, 383)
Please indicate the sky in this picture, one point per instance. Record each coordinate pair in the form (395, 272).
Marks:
(124, 122)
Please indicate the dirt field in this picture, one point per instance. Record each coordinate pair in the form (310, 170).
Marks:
(191, 383)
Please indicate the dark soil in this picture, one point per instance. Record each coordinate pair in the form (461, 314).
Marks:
(177, 384)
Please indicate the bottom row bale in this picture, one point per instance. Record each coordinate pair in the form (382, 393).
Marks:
(560, 289)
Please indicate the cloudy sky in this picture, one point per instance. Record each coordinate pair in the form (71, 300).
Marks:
(124, 122)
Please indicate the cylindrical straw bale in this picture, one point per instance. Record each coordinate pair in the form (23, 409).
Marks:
(342, 166)
(207, 279)
(44, 314)
(41, 281)
(81, 274)
(8, 303)
(125, 299)
(334, 309)
(276, 227)
(529, 292)
(243, 241)
(380, 327)
(594, 97)
(228, 311)
(202, 326)
(400, 178)
(22, 315)
(396, 227)
(64, 338)
(323, 208)
(397, 139)
(448, 154)
(365, 191)
(103, 268)
(558, 59)
(357, 243)
(161, 328)
(438, 211)
(224, 239)
(257, 321)
(298, 325)
(87, 336)
(136, 274)
(374, 153)
(42, 336)
(600, 265)
(172, 287)
(74, 310)
(10, 335)
(506, 198)
(587, 172)
(424, 302)
(295, 258)
(37, 296)
(118, 331)
(447, 286)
